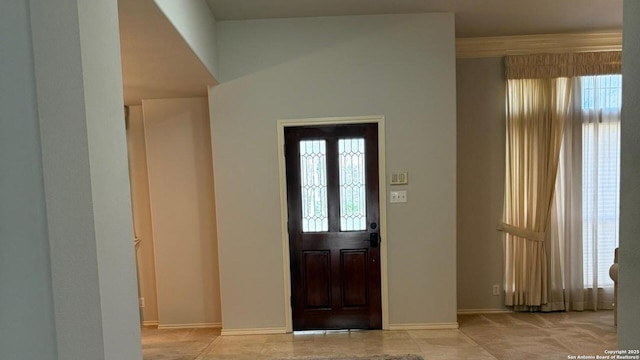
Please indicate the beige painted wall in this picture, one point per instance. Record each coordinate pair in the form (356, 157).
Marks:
(399, 66)
(480, 168)
(76, 58)
(182, 207)
(629, 281)
(26, 295)
(195, 23)
(142, 213)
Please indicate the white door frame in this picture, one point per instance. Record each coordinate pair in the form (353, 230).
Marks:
(282, 124)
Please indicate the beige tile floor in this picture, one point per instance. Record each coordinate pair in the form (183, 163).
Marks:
(440, 344)
(503, 336)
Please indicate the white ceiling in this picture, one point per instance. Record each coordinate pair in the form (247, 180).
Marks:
(156, 62)
(473, 17)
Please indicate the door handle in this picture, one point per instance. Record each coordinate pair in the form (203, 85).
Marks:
(374, 239)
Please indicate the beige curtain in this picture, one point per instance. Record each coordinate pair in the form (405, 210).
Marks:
(536, 114)
(563, 65)
(538, 96)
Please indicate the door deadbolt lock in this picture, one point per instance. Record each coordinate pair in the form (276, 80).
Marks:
(374, 239)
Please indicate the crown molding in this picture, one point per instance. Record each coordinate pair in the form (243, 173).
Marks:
(497, 46)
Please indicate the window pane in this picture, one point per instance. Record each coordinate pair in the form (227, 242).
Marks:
(313, 183)
(602, 92)
(353, 206)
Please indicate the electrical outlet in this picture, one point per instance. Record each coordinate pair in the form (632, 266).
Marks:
(496, 290)
(141, 302)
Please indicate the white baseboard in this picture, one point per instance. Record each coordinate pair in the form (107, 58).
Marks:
(215, 325)
(424, 326)
(483, 311)
(257, 331)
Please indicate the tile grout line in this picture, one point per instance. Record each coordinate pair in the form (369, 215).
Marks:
(475, 342)
(206, 349)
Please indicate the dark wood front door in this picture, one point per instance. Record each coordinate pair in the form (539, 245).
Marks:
(333, 206)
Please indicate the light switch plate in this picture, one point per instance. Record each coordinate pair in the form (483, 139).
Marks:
(398, 196)
(399, 178)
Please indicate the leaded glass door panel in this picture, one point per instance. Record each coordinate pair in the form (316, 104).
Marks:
(333, 206)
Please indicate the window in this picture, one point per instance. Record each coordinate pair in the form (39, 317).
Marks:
(601, 103)
(353, 205)
(313, 183)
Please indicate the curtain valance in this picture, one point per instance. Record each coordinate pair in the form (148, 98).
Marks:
(562, 65)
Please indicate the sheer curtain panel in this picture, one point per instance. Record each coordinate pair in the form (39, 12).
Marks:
(585, 226)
